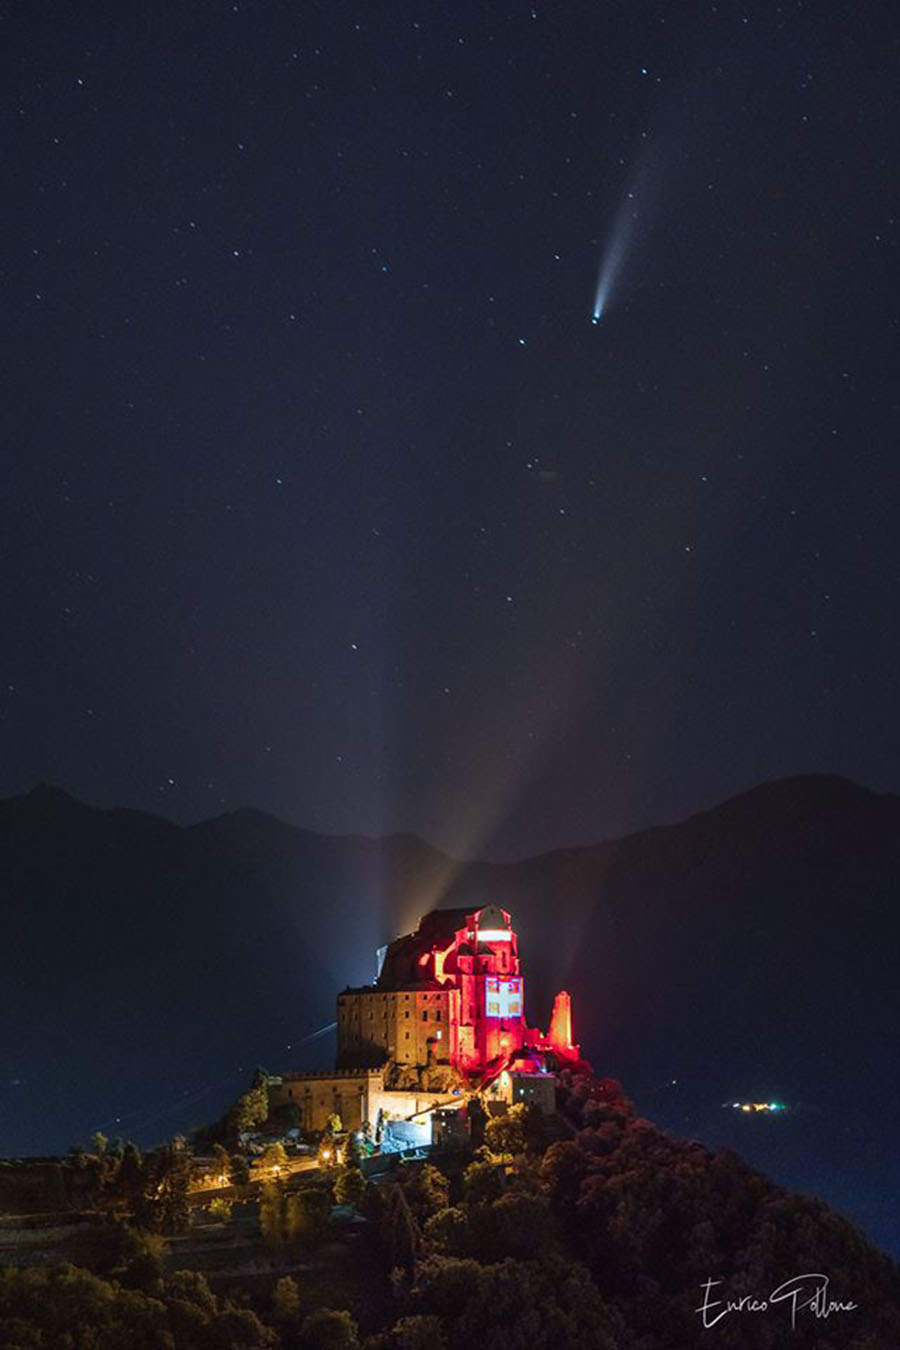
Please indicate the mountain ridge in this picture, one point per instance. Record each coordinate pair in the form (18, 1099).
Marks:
(48, 794)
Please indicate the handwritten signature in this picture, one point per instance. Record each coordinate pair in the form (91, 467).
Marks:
(799, 1292)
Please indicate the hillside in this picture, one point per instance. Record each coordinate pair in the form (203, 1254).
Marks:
(588, 1229)
(749, 951)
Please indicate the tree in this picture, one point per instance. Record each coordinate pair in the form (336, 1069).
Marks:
(482, 1182)
(349, 1187)
(130, 1181)
(220, 1209)
(426, 1188)
(286, 1301)
(519, 1225)
(505, 1135)
(238, 1329)
(353, 1150)
(250, 1109)
(550, 1302)
(400, 1233)
(192, 1287)
(563, 1168)
(222, 1162)
(448, 1230)
(140, 1260)
(272, 1215)
(307, 1215)
(274, 1158)
(419, 1333)
(238, 1170)
(43, 1306)
(328, 1329)
(166, 1175)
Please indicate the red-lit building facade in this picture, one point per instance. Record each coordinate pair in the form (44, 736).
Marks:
(451, 995)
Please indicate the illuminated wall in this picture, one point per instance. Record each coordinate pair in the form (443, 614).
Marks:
(416, 1026)
(319, 1095)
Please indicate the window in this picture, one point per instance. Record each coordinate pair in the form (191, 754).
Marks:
(437, 1015)
(407, 1036)
(438, 1035)
(503, 998)
(406, 1014)
(425, 1015)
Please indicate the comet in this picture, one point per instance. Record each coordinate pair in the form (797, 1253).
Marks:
(620, 238)
(613, 257)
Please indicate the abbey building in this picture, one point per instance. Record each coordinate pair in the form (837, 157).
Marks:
(444, 1019)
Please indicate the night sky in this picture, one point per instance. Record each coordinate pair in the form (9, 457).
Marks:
(323, 493)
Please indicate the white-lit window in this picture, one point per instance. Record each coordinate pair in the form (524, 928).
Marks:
(503, 998)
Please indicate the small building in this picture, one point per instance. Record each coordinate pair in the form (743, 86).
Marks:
(528, 1087)
(358, 1096)
(320, 1094)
